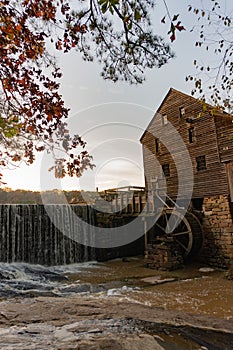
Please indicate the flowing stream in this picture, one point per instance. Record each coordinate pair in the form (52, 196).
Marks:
(74, 302)
(196, 290)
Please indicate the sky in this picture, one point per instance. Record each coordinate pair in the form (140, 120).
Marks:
(111, 117)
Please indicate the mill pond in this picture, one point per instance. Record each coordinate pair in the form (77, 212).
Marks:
(87, 305)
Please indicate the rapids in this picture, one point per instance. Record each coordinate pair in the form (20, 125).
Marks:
(86, 306)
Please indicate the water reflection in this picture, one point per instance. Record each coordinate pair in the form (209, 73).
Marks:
(192, 290)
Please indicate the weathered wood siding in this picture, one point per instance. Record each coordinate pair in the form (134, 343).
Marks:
(224, 130)
(213, 180)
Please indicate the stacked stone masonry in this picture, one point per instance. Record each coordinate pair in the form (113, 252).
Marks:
(164, 256)
(218, 231)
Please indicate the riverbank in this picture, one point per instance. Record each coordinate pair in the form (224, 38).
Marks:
(117, 306)
(89, 322)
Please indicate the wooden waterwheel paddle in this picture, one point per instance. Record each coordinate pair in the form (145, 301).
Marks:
(182, 231)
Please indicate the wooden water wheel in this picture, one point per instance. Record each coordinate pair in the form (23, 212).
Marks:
(181, 235)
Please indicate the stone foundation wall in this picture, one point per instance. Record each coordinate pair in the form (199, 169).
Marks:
(110, 220)
(218, 231)
(164, 256)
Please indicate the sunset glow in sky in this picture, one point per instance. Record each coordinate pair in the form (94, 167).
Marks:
(111, 117)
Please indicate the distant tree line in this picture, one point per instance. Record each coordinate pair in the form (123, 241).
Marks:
(9, 196)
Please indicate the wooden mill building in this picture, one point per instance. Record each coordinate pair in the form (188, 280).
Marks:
(188, 149)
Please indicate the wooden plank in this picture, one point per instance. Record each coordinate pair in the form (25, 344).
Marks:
(206, 182)
(229, 167)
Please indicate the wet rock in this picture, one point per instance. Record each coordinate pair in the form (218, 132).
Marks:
(119, 291)
(6, 275)
(98, 288)
(77, 288)
(45, 274)
(25, 289)
(26, 285)
(105, 324)
(64, 335)
(127, 342)
(206, 269)
(157, 280)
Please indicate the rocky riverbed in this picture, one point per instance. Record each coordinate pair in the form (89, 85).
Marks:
(115, 306)
(87, 323)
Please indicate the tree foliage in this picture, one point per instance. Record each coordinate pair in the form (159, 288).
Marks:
(118, 33)
(212, 22)
(214, 78)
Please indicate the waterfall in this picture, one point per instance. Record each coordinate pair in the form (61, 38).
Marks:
(56, 234)
(29, 235)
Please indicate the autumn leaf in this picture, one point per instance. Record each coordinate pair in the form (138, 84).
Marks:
(179, 27)
(175, 18)
(16, 158)
(59, 45)
(172, 37)
(163, 19)
(49, 117)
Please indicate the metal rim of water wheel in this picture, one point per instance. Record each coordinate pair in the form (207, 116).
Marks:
(184, 229)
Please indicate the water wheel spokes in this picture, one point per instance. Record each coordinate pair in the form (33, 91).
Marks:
(180, 233)
(182, 229)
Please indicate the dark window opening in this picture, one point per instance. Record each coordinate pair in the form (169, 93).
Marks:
(201, 163)
(166, 170)
(191, 135)
(197, 203)
(157, 145)
(182, 111)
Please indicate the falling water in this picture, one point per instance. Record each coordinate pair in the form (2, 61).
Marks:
(28, 234)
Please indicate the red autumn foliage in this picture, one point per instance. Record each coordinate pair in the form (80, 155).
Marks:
(28, 94)
(31, 95)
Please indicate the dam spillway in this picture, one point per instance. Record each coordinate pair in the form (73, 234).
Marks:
(29, 235)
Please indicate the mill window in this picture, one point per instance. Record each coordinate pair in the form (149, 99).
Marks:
(201, 163)
(166, 170)
(182, 111)
(191, 132)
(157, 145)
(164, 119)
